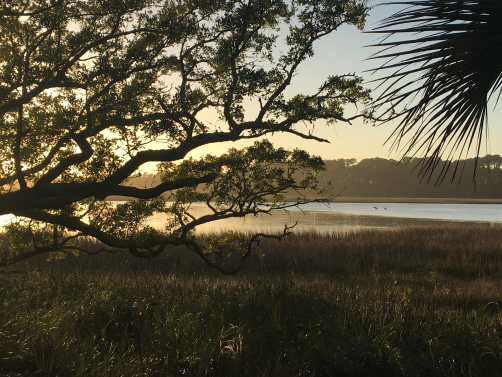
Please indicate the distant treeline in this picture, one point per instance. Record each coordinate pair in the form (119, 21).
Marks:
(379, 177)
(383, 178)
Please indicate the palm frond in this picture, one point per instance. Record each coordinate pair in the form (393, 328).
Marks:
(445, 65)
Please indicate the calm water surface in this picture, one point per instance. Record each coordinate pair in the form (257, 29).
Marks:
(347, 216)
(350, 216)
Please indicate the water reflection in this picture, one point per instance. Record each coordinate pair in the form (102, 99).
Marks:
(320, 221)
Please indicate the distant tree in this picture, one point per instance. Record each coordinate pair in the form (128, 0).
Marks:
(384, 178)
(92, 90)
(446, 63)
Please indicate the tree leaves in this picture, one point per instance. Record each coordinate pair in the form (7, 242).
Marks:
(90, 91)
(246, 179)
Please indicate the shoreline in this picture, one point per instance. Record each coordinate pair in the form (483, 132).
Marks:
(352, 199)
(348, 199)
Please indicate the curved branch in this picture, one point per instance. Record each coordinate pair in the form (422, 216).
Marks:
(84, 155)
(75, 224)
(7, 261)
(199, 250)
(59, 195)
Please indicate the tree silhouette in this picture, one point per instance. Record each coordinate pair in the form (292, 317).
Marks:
(445, 66)
(92, 90)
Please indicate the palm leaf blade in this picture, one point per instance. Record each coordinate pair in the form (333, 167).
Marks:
(445, 72)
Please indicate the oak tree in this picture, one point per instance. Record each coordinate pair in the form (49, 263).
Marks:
(91, 90)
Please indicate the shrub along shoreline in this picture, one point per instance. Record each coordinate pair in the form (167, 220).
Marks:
(405, 302)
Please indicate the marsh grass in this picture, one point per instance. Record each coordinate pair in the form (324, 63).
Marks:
(404, 302)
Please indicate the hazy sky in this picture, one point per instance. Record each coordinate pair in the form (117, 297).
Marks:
(344, 52)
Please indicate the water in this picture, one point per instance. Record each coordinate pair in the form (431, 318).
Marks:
(350, 216)
(347, 216)
(456, 212)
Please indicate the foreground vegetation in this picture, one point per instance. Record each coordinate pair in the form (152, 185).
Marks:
(406, 302)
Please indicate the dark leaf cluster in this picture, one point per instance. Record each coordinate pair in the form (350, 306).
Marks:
(445, 62)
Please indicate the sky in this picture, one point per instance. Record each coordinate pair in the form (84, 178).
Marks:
(346, 51)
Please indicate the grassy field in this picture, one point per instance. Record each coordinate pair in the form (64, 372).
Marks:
(406, 302)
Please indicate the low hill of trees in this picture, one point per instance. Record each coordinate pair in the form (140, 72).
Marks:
(387, 178)
(379, 177)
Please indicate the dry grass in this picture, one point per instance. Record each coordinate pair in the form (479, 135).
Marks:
(406, 302)
(463, 250)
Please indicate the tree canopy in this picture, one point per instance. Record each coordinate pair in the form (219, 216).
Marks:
(444, 61)
(91, 90)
